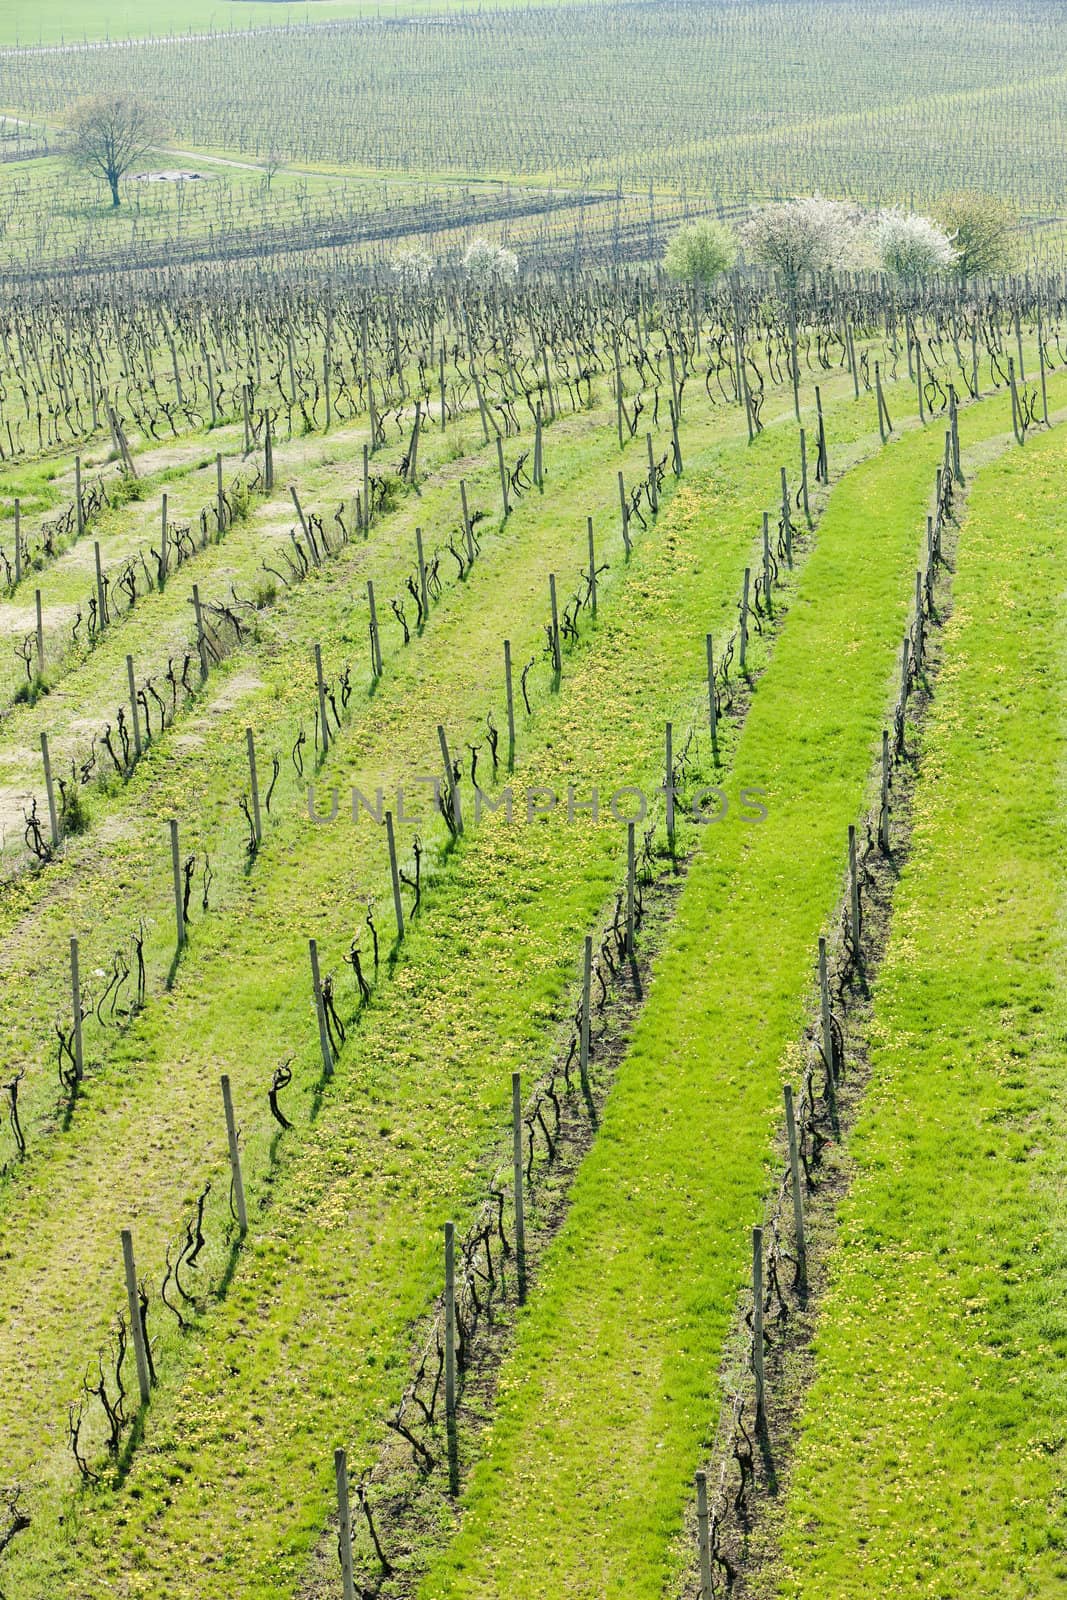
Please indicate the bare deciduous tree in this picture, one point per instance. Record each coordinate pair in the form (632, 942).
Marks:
(109, 135)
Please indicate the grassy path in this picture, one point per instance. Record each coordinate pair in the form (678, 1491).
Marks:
(606, 1404)
(948, 1298)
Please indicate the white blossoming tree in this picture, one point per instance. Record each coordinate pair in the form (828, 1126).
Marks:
(485, 263)
(413, 268)
(798, 236)
(910, 246)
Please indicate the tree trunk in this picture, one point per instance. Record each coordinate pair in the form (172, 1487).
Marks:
(113, 180)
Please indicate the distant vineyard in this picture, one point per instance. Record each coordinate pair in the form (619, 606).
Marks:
(738, 101)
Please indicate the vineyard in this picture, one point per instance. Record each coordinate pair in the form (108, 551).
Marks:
(422, 126)
(531, 875)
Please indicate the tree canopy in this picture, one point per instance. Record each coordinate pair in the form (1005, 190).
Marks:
(982, 229)
(700, 252)
(109, 135)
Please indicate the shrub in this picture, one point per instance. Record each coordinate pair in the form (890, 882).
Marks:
(910, 246)
(982, 230)
(700, 252)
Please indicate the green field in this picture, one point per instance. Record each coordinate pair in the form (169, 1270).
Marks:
(72, 21)
(947, 1297)
(609, 1400)
(396, 1189)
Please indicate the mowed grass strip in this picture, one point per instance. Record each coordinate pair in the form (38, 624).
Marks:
(932, 1449)
(608, 1400)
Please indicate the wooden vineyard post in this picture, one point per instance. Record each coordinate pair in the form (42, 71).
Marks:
(18, 541)
(703, 1540)
(510, 695)
(538, 474)
(450, 1321)
(134, 713)
(268, 454)
(312, 546)
(516, 1168)
(176, 869)
(253, 778)
(164, 554)
(920, 640)
(344, 1519)
(39, 629)
(246, 421)
(587, 976)
(883, 811)
(822, 465)
(424, 593)
(503, 476)
(757, 1320)
(618, 393)
(76, 1009)
(787, 523)
(220, 498)
(79, 503)
(592, 566)
(954, 432)
(804, 476)
(798, 1197)
(101, 601)
(854, 890)
(413, 448)
(53, 817)
(625, 509)
(468, 532)
(919, 379)
(235, 1157)
(201, 636)
(133, 1301)
(450, 777)
(482, 413)
(653, 491)
(767, 561)
(744, 619)
(375, 642)
(826, 1019)
(320, 684)
(394, 873)
(366, 491)
(320, 1010)
(631, 887)
(675, 444)
(713, 710)
(668, 781)
(557, 658)
(747, 394)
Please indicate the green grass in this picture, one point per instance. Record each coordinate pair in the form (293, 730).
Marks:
(607, 1404)
(74, 20)
(429, 1067)
(932, 1444)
